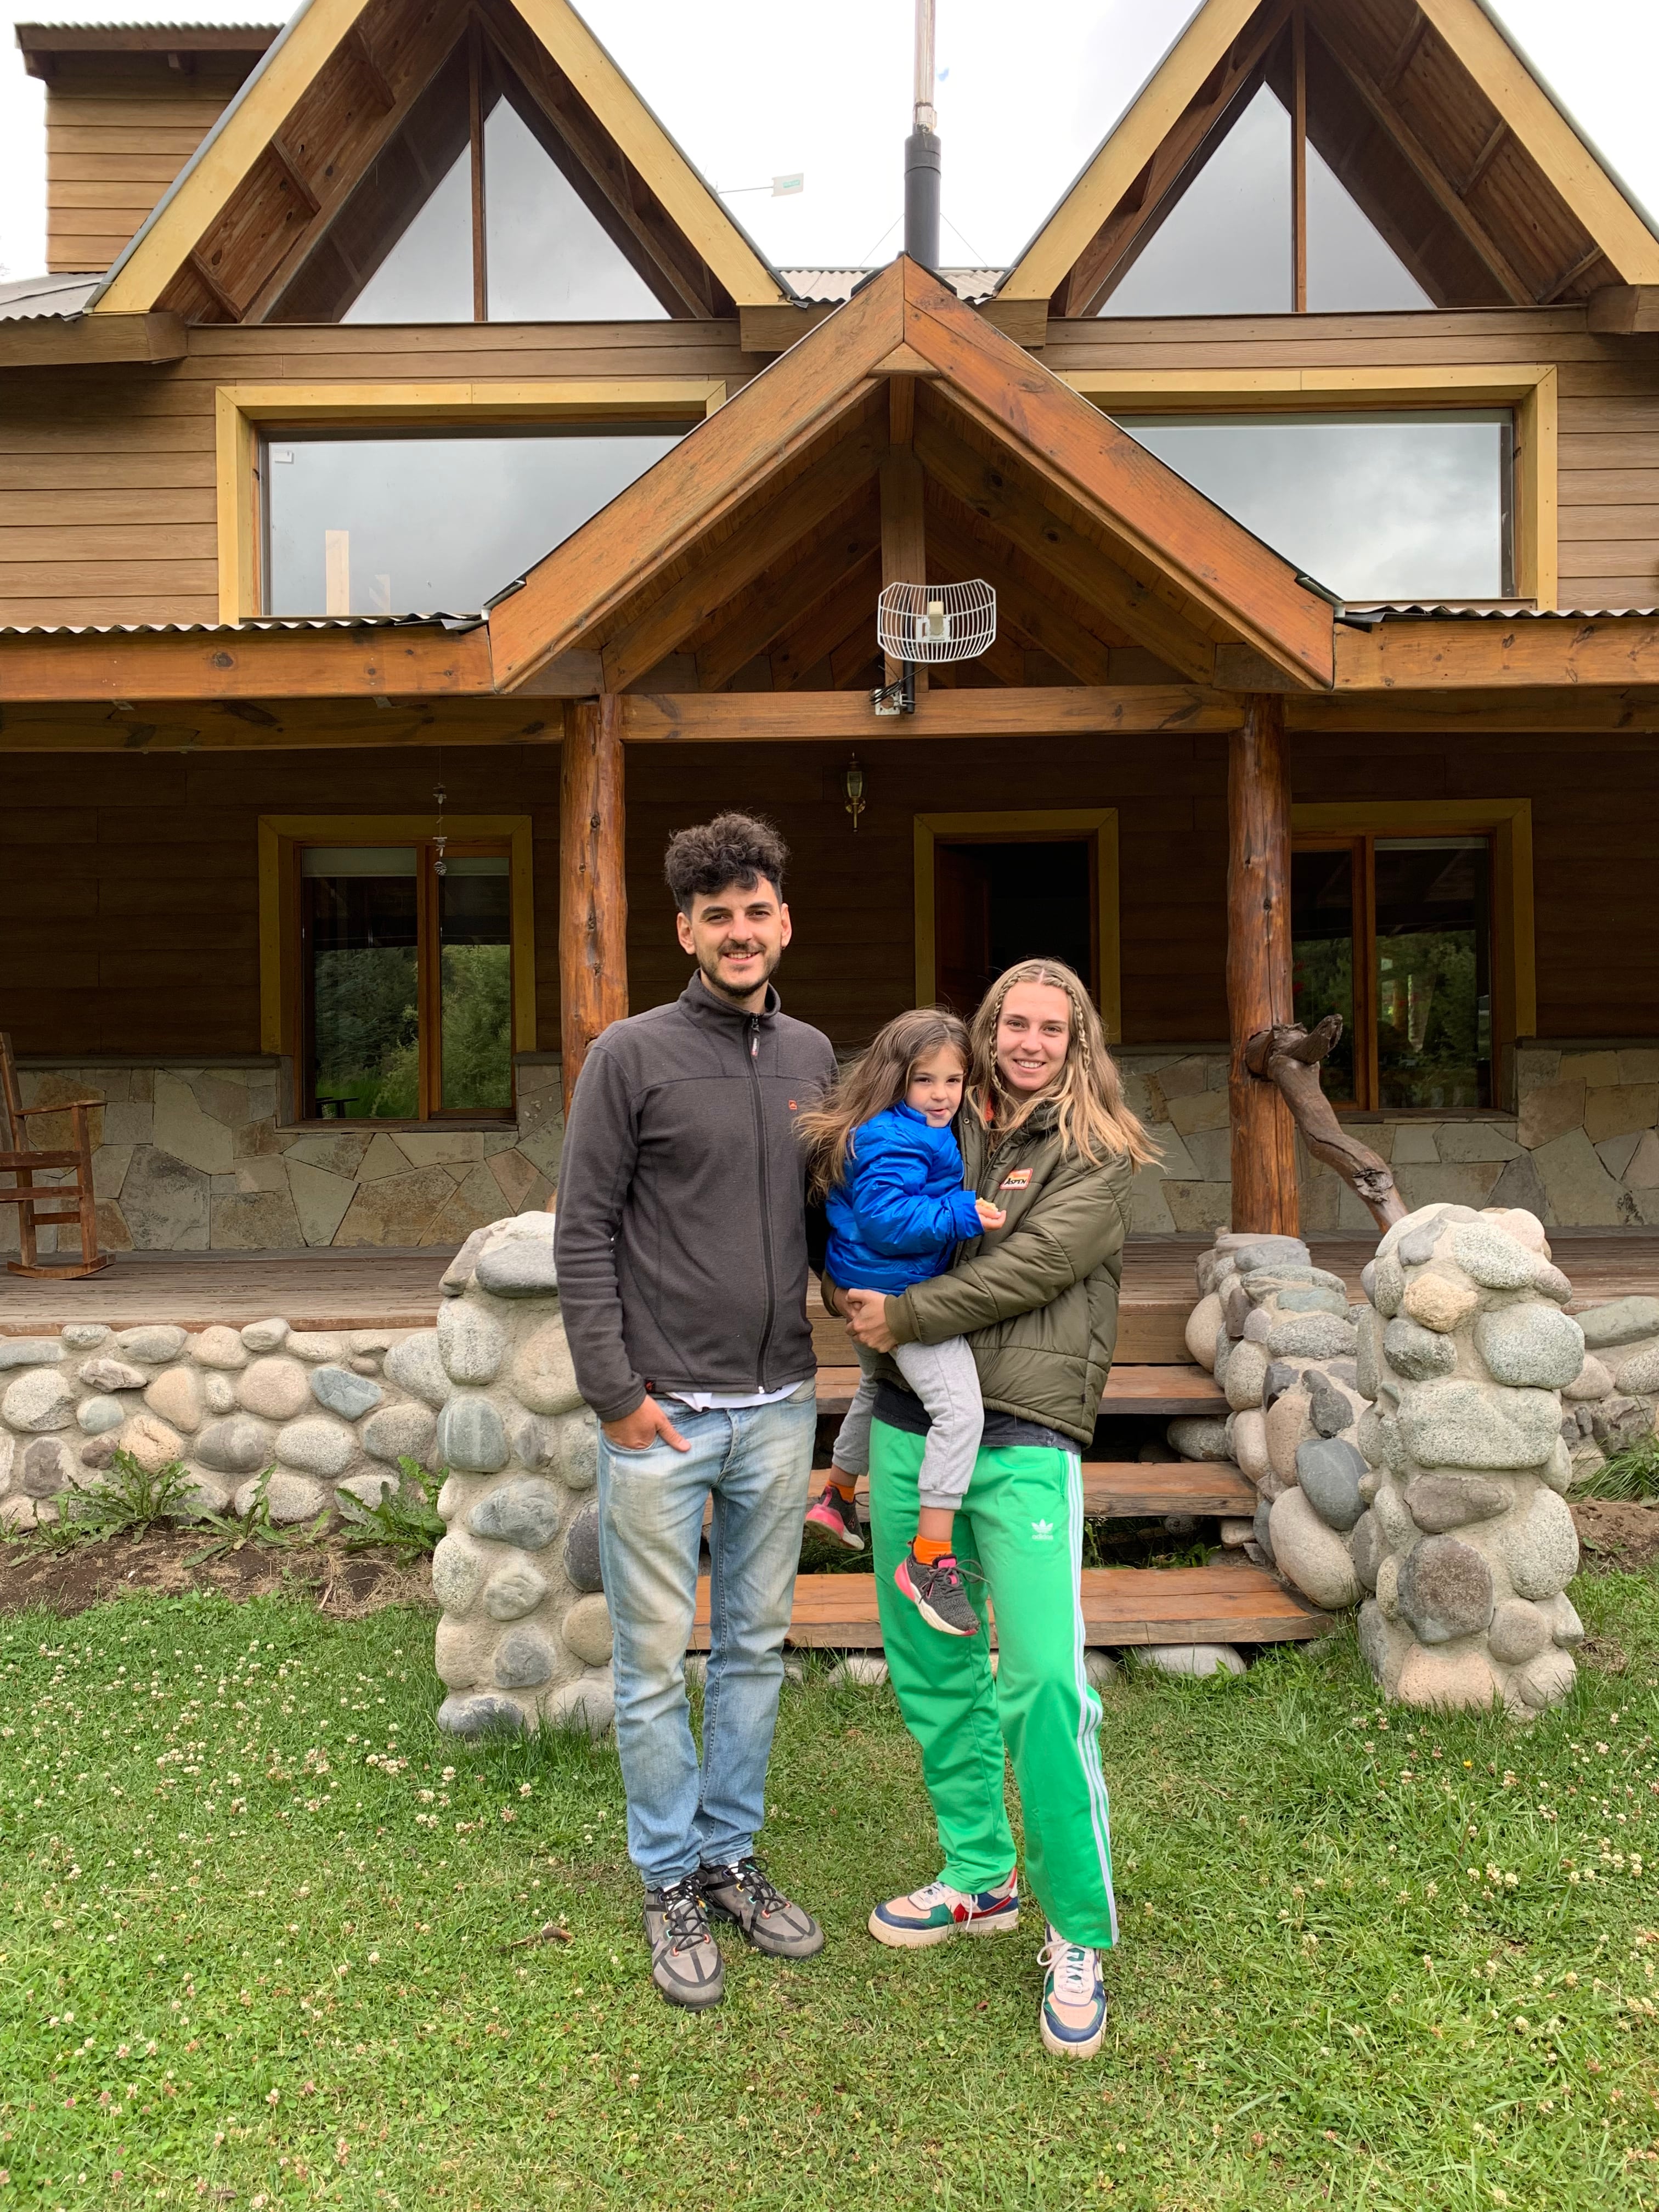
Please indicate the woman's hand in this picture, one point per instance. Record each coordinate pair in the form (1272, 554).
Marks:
(866, 1320)
(990, 1217)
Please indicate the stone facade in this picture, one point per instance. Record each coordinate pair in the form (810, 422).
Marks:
(197, 1159)
(1581, 1151)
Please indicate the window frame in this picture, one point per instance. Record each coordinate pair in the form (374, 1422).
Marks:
(1095, 826)
(1530, 389)
(242, 412)
(282, 837)
(1507, 824)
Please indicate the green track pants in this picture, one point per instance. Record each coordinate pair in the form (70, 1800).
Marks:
(1021, 1526)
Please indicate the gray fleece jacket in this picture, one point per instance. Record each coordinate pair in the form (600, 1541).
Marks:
(682, 1238)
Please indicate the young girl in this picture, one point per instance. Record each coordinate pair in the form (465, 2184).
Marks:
(881, 1156)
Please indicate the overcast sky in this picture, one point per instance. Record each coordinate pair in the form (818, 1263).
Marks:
(751, 90)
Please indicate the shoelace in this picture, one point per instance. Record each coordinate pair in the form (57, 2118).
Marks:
(1073, 1969)
(751, 1877)
(950, 1570)
(683, 1919)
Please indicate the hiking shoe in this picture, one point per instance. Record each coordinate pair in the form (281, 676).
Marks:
(838, 1516)
(685, 1959)
(938, 1594)
(1074, 2015)
(744, 1895)
(936, 1913)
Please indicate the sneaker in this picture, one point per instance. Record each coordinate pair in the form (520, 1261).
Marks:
(938, 1594)
(685, 1959)
(838, 1516)
(1074, 2015)
(744, 1895)
(934, 1914)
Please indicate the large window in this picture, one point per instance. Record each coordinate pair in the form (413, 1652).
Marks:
(1408, 504)
(409, 521)
(1394, 934)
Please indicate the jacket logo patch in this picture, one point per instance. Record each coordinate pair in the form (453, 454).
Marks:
(791, 1106)
(1019, 1179)
(1042, 1532)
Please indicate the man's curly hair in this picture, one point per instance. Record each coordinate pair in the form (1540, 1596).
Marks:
(732, 848)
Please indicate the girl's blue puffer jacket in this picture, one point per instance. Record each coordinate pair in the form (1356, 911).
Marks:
(900, 1210)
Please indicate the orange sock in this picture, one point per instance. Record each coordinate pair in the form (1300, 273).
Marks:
(845, 1484)
(930, 1549)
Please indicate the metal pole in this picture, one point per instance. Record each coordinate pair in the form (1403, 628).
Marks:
(921, 153)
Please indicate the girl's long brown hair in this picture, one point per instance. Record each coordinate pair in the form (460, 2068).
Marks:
(1088, 1093)
(877, 1079)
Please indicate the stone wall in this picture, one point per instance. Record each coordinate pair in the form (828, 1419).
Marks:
(1582, 1150)
(199, 1158)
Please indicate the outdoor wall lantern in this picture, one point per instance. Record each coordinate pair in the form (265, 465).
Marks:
(854, 781)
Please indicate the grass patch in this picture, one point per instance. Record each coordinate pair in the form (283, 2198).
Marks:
(261, 1943)
(1632, 1473)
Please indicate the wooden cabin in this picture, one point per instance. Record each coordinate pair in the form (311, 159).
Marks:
(418, 497)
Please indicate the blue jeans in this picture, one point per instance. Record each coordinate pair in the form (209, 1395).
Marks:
(756, 1463)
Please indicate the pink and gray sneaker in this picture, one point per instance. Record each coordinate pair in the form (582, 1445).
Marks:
(935, 1912)
(837, 1515)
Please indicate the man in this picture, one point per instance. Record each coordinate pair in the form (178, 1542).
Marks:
(683, 1255)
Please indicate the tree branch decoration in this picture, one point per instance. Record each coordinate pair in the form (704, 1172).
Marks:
(1289, 1055)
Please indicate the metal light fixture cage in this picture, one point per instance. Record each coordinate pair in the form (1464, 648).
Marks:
(936, 622)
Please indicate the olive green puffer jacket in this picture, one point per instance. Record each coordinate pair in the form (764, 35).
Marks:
(1038, 1299)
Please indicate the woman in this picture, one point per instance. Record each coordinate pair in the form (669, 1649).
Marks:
(1045, 1136)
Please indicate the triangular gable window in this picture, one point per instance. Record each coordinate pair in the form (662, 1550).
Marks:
(476, 160)
(1228, 242)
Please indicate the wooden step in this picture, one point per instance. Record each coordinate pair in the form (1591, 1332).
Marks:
(1221, 1604)
(1133, 1490)
(1158, 1391)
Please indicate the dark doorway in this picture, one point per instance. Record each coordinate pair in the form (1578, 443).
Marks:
(994, 904)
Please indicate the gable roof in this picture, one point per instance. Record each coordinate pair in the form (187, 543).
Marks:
(777, 474)
(367, 60)
(1507, 173)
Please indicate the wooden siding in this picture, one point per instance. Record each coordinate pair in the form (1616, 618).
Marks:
(118, 523)
(113, 867)
(118, 461)
(1608, 452)
(120, 127)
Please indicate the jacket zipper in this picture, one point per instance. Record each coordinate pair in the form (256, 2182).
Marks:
(765, 1199)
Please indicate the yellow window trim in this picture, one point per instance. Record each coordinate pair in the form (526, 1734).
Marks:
(241, 409)
(1529, 387)
(1007, 827)
(1508, 822)
(280, 833)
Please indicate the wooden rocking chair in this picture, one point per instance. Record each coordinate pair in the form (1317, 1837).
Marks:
(22, 1160)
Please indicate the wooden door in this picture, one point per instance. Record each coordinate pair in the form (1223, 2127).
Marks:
(962, 927)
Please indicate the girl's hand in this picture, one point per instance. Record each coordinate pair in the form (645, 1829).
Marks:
(990, 1217)
(866, 1320)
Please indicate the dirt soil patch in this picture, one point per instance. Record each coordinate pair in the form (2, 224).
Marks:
(343, 1583)
(1618, 1532)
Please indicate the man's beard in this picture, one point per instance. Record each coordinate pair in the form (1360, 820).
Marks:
(709, 970)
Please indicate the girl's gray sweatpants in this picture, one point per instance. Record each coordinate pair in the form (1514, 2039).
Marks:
(944, 1378)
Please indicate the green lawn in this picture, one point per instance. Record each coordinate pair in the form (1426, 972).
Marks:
(256, 1914)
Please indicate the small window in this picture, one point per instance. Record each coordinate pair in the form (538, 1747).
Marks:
(1412, 505)
(405, 959)
(1394, 934)
(367, 522)
(995, 904)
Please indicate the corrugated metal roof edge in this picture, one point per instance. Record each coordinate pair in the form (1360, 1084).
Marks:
(453, 622)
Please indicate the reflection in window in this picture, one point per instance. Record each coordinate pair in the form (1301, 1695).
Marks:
(1322, 934)
(1225, 247)
(400, 522)
(1433, 971)
(376, 922)
(1406, 506)
(547, 259)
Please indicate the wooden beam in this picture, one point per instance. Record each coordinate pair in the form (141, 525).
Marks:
(593, 884)
(237, 726)
(779, 603)
(990, 488)
(1566, 712)
(717, 575)
(1076, 649)
(850, 607)
(903, 536)
(1259, 993)
(62, 342)
(236, 664)
(1549, 651)
(774, 329)
(282, 154)
(1624, 310)
(837, 717)
(1026, 321)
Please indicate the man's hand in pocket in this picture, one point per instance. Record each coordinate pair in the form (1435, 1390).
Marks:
(638, 1431)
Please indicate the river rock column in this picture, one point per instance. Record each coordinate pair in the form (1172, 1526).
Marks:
(1278, 1335)
(1467, 1544)
(526, 1637)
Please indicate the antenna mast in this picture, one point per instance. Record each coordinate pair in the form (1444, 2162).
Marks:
(921, 153)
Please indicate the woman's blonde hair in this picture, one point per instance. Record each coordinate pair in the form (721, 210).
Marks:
(877, 1079)
(1087, 1093)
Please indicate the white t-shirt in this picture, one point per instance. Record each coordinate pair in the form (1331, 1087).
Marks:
(727, 1401)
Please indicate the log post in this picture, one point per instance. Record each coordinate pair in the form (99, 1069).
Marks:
(1259, 995)
(592, 888)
